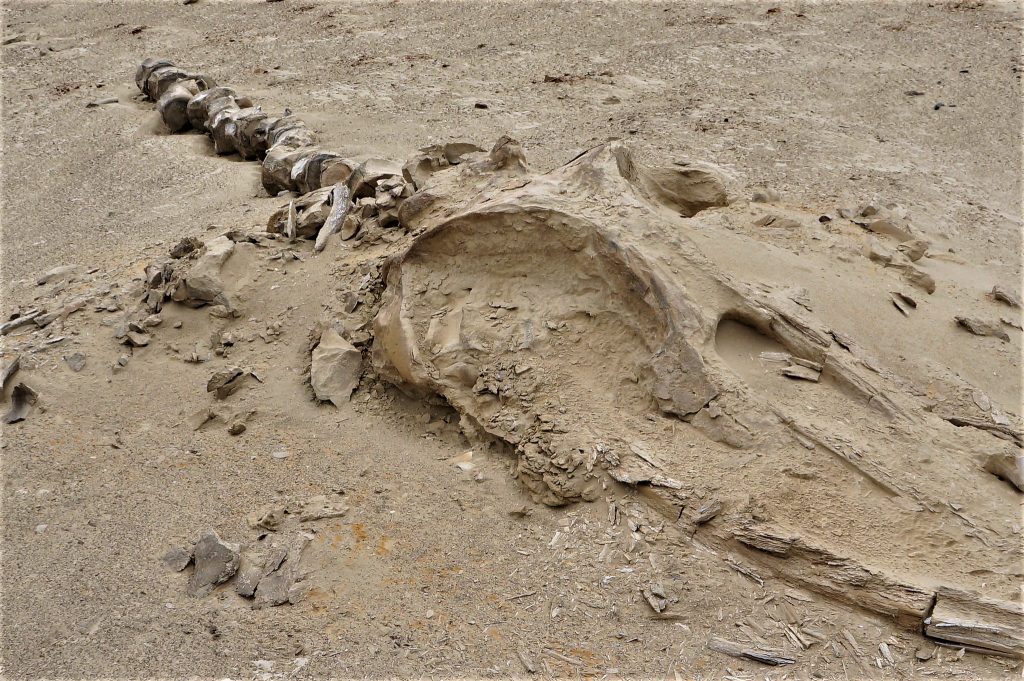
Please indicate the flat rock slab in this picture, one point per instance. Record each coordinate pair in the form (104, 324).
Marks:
(336, 368)
(177, 558)
(981, 327)
(76, 361)
(321, 508)
(216, 562)
(253, 568)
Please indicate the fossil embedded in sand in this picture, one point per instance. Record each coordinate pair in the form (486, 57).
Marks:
(572, 317)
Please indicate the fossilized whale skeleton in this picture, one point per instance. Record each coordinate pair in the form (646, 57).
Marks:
(568, 315)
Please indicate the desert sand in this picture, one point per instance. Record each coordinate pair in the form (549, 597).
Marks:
(511, 340)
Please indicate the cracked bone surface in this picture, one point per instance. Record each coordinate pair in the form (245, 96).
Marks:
(572, 316)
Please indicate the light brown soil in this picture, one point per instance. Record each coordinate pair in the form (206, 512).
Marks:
(429, 573)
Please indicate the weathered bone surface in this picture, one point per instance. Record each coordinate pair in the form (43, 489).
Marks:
(502, 286)
(173, 104)
(538, 308)
(986, 624)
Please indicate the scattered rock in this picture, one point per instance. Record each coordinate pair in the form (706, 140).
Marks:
(765, 196)
(45, 320)
(877, 252)
(23, 398)
(981, 327)
(655, 596)
(464, 461)
(216, 562)
(226, 381)
(200, 418)
(890, 227)
(253, 568)
(136, 339)
(236, 428)
(188, 245)
(320, 508)
(776, 222)
(350, 227)
(100, 102)
(336, 368)
(919, 278)
(520, 511)
(203, 285)
(741, 651)
(221, 312)
(76, 361)
(273, 589)
(176, 558)
(269, 518)
(914, 249)
(1004, 295)
(283, 585)
(903, 302)
(55, 274)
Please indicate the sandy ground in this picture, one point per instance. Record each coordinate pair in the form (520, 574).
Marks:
(429, 573)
